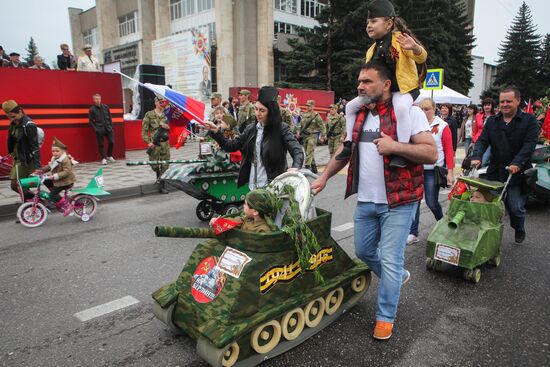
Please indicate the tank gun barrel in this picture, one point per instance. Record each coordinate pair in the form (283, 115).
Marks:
(171, 161)
(184, 232)
(457, 219)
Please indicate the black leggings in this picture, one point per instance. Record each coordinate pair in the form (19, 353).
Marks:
(55, 190)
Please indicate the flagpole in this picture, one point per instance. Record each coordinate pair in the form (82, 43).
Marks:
(199, 120)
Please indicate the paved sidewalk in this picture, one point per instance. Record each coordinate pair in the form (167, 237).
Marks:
(124, 181)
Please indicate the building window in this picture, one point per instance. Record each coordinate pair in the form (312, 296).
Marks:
(286, 5)
(311, 8)
(203, 5)
(280, 27)
(90, 37)
(182, 8)
(127, 24)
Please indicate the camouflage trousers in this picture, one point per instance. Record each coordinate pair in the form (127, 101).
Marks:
(160, 153)
(333, 144)
(310, 142)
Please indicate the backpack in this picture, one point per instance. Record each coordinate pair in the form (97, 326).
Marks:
(40, 135)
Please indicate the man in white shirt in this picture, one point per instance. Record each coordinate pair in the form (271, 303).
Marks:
(387, 195)
(88, 62)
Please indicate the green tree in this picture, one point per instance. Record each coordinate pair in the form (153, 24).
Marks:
(329, 56)
(544, 73)
(519, 55)
(32, 51)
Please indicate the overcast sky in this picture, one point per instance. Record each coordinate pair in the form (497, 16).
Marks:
(47, 21)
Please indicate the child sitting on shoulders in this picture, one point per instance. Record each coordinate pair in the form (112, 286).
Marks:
(61, 176)
(394, 45)
(260, 209)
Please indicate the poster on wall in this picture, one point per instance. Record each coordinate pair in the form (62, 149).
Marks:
(186, 60)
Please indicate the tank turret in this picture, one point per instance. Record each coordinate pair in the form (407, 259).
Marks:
(184, 232)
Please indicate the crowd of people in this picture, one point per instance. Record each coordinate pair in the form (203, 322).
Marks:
(65, 60)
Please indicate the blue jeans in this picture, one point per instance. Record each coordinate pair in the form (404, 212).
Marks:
(515, 205)
(486, 159)
(380, 240)
(431, 195)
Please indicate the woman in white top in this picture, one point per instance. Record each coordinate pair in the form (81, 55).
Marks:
(467, 127)
(441, 133)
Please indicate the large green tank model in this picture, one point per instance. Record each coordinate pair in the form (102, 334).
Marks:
(246, 297)
(243, 298)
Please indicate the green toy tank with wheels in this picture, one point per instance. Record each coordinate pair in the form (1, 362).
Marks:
(244, 297)
(470, 233)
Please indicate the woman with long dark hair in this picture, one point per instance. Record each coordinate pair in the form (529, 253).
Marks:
(263, 145)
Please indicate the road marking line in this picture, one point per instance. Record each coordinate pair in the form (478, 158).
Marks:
(343, 227)
(105, 308)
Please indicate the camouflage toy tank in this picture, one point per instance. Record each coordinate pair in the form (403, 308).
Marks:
(244, 297)
(213, 182)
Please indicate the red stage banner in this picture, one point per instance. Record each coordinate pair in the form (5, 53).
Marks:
(296, 98)
(59, 101)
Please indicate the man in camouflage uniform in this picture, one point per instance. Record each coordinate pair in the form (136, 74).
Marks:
(215, 101)
(310, 125)
(247, 110)
(152, 121)
(285, 113)
(336, 126)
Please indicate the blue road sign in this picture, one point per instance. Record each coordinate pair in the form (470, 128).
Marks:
(434, 79)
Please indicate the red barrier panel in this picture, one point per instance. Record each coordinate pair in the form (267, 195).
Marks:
(296, 97)
(59, 101)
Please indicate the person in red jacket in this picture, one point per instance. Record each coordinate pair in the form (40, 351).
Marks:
(488, 110)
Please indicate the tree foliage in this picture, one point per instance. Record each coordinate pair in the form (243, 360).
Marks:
(32, 51)
(519, 56)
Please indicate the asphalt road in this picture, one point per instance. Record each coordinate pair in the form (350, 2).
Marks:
(54, 272)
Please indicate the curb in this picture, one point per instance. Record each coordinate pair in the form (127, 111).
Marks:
(10, 210)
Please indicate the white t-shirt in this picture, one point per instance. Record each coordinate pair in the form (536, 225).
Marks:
(372, 185)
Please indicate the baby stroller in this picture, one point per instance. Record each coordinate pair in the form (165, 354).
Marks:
(470, 233)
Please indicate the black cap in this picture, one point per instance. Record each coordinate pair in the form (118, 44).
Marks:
(380, 8)
(267, 94)
(14, 54)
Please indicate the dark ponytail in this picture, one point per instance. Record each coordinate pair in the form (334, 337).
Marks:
(273, 136)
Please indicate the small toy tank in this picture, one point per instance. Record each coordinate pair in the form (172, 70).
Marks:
(213, 181)
(470, 234)
(244, 297)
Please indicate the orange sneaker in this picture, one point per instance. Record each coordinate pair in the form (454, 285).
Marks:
(382, 330)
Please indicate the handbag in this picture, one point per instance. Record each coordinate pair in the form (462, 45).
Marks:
(440, 176)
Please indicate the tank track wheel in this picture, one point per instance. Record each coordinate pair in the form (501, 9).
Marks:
(495, 261)
(476, 275)
(333, 300)
(361, 283)
(315, 308)
(293, 323)
(204, 211)
(165, 315)
(263, 341)
(218, 357)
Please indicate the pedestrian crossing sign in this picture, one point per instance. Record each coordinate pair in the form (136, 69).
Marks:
(434, 79)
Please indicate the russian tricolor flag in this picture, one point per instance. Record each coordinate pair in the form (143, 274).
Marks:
(181, 109)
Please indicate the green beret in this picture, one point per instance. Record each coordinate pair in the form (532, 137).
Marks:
(229, 120)
(263, 201)
(244, 92)
(9, 105)
(216, 95)
(310, 102)
(380, 8)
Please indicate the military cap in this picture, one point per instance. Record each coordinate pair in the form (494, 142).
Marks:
(263, 201)
(267, 94)
(310, 102)
(380, 8)
(229, 120)
(333, 106)
(9, 105)
(87, 47)
(58, 144)
(14, 54)
(216, 95)
(244, 92)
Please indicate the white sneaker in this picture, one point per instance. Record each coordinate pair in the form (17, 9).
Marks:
(411, 239)
(104, 161)
(111, 159)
